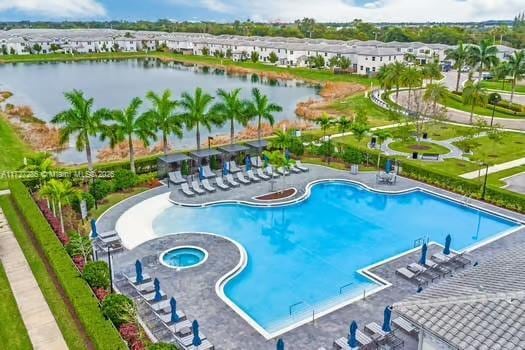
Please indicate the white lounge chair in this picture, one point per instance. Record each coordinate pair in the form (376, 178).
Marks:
(270, 172)
(208, 172)
(295, 170)
(207, 186)
(299, 165)
(233, 168)
(186, 190)
(283, 171)
(257, 162)
(197, 188)
(252, 176)
(242, 179)
(231, 181)
(262, 175)
(176, 177)
(220, 183)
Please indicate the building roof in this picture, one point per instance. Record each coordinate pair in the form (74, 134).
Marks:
(481, 308)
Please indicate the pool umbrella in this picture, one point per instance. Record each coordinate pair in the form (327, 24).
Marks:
(94, 232)
(196, 339)
(448, 240)
(287, 155)
(248, 163)
(280, 344)
(225, 169)
(386, 320)
(423, 259)
(201, 173)
(138, 272)
(158, 296)
(174, 316)
(352, 340)
(265, 160)
(388, 165)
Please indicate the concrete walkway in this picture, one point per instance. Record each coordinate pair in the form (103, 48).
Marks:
(495, 168)
(38, 319)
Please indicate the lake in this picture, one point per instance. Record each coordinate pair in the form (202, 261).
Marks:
(113, 83)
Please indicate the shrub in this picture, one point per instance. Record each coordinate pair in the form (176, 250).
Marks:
(296, 147)
(326, 149)
(352, 156)
(96, 274)
(99, 189)
(101, 293)
(53, 221)
(162, 346)
(86, 196)
(119, 309)
(79, 262)
(124, 179)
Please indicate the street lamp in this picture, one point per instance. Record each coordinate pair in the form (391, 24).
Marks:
(210, 138)
(485, 181)
(110, 270)
(494, 99)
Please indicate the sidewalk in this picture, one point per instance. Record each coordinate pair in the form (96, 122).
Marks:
(38, 319)
(495, 168)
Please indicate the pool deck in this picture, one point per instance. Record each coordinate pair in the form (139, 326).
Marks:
(195, 288)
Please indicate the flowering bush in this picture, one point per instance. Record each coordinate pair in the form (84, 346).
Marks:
(130, 333)
(79, 262)
(54, 222)
(100, 293)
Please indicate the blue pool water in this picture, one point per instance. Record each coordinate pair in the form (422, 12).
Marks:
(183, 257)
(305, 257)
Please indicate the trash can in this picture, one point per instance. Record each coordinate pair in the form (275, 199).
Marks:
(414, 155)
(425, 136)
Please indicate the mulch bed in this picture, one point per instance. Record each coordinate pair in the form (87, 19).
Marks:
(276, 195)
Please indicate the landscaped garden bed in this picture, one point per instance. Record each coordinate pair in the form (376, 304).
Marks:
(282, 194)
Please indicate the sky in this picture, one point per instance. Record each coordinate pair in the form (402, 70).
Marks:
(262, 10)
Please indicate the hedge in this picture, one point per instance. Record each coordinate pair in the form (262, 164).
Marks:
(101, 331)
(499, 107)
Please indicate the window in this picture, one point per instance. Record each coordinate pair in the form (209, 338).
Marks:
(368, 69)
(361, 68)
(366, 58)
(291, 52)
(373, 69)
(373, 58)
(325, 54)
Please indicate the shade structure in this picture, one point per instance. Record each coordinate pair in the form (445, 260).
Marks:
(448, 240)
(156, 284)
(138, 272)
(387, 320)
(173, 305)
(196, 338)
(94, 232)
(280, 344)
(352, 339)
(233, 149)
(248, 163)
(225, 169)
(423, 259)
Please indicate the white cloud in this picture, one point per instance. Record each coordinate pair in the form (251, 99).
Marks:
(212, 5)
(55, 8)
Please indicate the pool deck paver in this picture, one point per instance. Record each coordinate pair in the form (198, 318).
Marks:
(195, 288)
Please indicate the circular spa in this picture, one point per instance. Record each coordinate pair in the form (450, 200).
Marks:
(183, 257)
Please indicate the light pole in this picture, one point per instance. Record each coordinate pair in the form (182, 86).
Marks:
(485, 181)
(210, 138)
(110, 271)
(494, 99)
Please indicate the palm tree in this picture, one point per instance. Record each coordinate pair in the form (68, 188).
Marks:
(474, 94)
(325, 122)
(282, 140)
(60, 192)
(381, 136)
(483, 56)
(432, 71)
(343, 124)
(197, 112)
(232, 108)
(435, 93)
(500, 73)
(162, 115)
(80, 245)
(411, 77)
(81, 121)
(261, 108)
(397, 72)
(386, 76)
(460, 56)
(516, 69)
(127, 124)
(41, 163)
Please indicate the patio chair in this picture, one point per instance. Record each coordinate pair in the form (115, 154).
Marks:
(176, 177)
(220, 183)
(208, 172)
(419, 269)
(412, 277)
(151, 296)
(261, 174)
(186, 190)
(270, 172)
(242, 179)
(391, 178)
(282, 171)
(233, 167)
(207, 186)
(299, 165)
(231, 181)
(197, 188)
(461, 260)
(382, 178)
(252, 176)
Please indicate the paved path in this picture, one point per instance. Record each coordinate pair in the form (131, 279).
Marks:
(495, 168)
(454, 151)
(38, 319)
(516, 183)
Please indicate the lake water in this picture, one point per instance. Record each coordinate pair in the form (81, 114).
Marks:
(114, 83)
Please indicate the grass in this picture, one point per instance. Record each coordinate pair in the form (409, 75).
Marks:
(452, 101)
(495, 179)
(510, 147)
(453, 167)
(498, 85)
(53, 298)
(13, 149)
(377, 116)
(12, 330)
(422, 147)
(113, 199)
(443, 131)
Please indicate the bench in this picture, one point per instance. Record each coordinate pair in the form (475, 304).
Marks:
(404, 325)
(429, 156)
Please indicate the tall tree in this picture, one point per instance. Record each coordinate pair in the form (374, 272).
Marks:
(397, 72)
(81, 121)
(324, 122)
(500, 72)
(197, 112)
(381, 136)
(126, 124)
(343, 124)
(261, 108)
(232, 108)
(60, 192)
(474, 95)
(460, 56)
(435, 93)
(516, 69)
(163, 115)
(483, 56)
(386, 76)
(411, 77)
(431, 71)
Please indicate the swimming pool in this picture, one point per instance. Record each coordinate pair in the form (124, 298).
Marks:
(306, 257)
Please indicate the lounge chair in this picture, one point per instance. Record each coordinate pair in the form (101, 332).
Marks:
(242, 179)
(300, 166)
(438, 268)
(107, 234)
(362, 339)
(186, 190)
(257, 162)
(409, 275)
(233, 167)
(205, 345)
(270, 172)
(166, 316)
(404, 325)
(176, 177)
(110, 239)
(419, 269)
(133, 279)
(441, 258)
(145, 288)
(208, 172)
(252, 176)
(151, 296)
(262, 175)
(179, 326)
(220, 183)
(207, 186)
(295, 170)
(197, 188)
(231, 181)
(283, 171)
(375, 329)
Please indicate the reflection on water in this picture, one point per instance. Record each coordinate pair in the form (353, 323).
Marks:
(113, 83)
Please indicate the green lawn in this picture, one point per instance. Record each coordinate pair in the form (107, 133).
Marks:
(443, 131)
(12, 329)
(13, 149)
(422, 147)
(495, 179)
(377, 116)
(113, 199)
(498, 85)
(55, 301)
(451, 102)
(511, 146)
(448, 166)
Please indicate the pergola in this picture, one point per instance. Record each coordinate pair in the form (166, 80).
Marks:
(233, 149)
(168, 162)
(257, 144)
